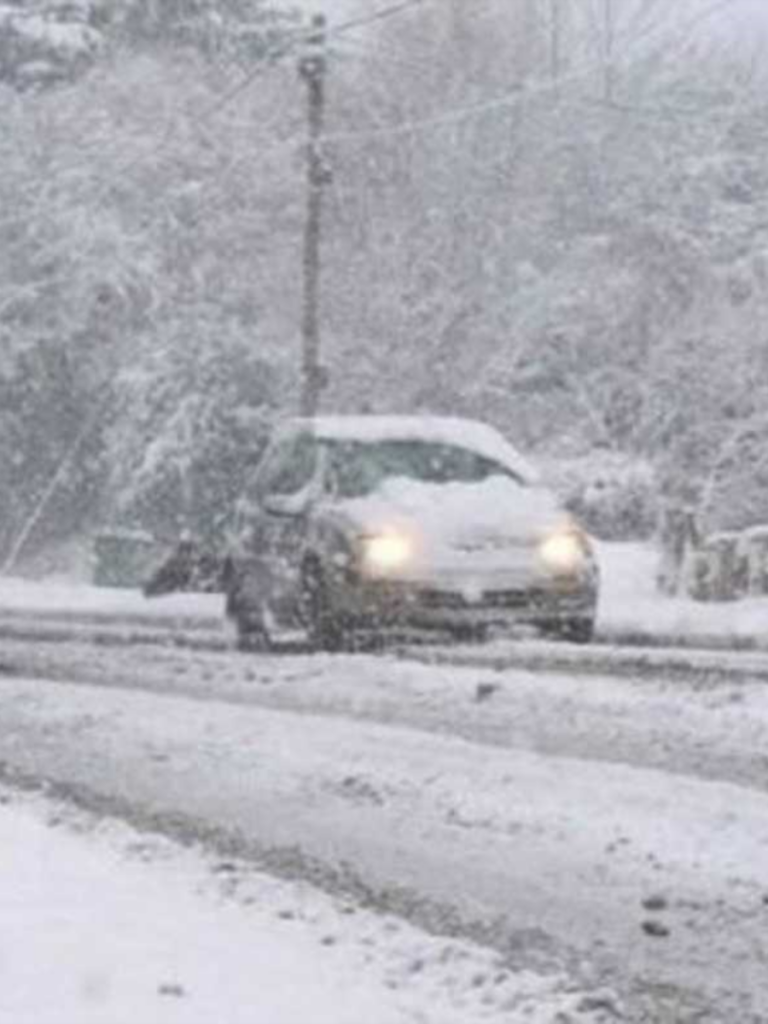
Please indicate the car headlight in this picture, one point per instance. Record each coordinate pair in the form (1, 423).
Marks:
(384, 553)
(564, 552)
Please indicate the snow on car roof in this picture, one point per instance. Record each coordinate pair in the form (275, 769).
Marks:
(465, 433)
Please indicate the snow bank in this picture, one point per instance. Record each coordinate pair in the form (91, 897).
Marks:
(631, 606)
(101, 925)
(60, 598)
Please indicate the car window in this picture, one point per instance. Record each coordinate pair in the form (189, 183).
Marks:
(358, 468)
(290, 468)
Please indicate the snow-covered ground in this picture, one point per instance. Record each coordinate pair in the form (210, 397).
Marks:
(102, 925)
(630, 606)
(62, 597)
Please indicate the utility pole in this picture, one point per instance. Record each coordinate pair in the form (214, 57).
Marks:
(609, 42)
(312, 68)
(555, 40)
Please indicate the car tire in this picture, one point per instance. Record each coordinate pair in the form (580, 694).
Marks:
(325, 631)
(469, 634)
(576, 631)
(250, 633)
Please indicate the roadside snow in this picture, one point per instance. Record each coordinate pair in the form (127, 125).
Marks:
(102, 925)
(61, 598)
(631, 605)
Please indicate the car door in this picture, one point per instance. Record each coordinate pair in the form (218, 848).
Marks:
(284, 492)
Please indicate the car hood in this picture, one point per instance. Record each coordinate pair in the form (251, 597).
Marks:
(458, 516)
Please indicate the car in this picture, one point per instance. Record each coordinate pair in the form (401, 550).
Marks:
(363, 525)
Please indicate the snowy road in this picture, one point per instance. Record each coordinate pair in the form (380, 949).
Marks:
(537, 811)
(707, 726)
(126, 928)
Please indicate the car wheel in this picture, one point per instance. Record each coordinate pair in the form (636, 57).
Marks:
(250, 632)
(250, 622)
(577, 631)
(469, 634)
(326, 631)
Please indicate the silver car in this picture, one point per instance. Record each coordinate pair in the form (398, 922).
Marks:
(358, 525)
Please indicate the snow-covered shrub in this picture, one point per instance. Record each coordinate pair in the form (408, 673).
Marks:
(755, 542)
(123, 558)
(52, 456)
(613, 495)
(198, 425)
(46, 42)
(735, 497)
(720, 568)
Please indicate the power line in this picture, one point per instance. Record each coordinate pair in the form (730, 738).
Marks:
(262, 69)
(381, 54)
(380, 15)
(167, 134)
(519, 94)
(215, 108)
(295, 39)
(259, 71)
(303, 37)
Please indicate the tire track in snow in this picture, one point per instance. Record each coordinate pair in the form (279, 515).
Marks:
(713, 732)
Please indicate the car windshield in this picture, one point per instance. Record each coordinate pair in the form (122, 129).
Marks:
(359, 468)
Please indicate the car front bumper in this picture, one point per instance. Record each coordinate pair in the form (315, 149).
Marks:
(437, 604)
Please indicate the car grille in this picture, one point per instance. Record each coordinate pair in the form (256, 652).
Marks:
(455, 601)
(509, 598)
